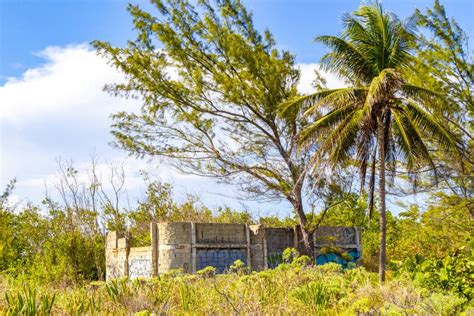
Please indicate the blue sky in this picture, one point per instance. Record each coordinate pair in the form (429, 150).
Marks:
(50, 82)
(28, 26)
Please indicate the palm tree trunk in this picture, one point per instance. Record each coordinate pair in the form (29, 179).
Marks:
(372, 186)
(381, 199)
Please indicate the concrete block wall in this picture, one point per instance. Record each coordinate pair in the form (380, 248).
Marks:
(174, 246)
(116, 254)
(193, 246)
(277, 240)
(140, 262)
(345, 239)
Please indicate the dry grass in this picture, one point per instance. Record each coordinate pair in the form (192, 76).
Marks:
(289, 289)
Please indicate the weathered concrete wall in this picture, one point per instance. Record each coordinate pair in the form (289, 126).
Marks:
(258, 247)
(174, 247)
(116, 254)
(278, 239)
(194, 246)
(220, 245)
(212, 233)
(140, 262)
(330, 242)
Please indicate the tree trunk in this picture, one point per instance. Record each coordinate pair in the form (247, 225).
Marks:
(305, 234)
(372, 186)
(381, 199)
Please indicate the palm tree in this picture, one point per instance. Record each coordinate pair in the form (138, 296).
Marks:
(380, 116)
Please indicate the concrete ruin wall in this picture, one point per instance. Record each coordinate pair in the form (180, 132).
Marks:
(347, 239)
(194, 246)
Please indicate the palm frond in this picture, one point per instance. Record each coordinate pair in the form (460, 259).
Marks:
(346, 139)
(327, 121)
(404, 141)
(415, 148)
(345, 59)
(337, 98)
(427, 123)
(427, 96)
(292, 105)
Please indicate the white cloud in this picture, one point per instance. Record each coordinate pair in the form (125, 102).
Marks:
(69, 83)
(58, 109)
(308, 75)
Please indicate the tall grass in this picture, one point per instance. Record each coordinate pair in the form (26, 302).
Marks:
(288, 289)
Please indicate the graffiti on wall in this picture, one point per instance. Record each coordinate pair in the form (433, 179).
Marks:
(343, 259)
(221, 259)
(113, 271)
(139, 267)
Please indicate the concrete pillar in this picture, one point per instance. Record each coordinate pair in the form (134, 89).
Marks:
(193, 248)
(265, 253)
(154, 249)
(296, 243)
(116, 255)
(359, 243)
(123, 247)
(249, 250)
(258, 251)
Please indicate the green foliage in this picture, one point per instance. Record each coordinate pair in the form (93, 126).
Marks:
(313, 293)
(239, 268)
(27, 302)
(327, 290)
(45, 247)
(207, 272)
(444, 63)
(453, 273)
(289, 254)
(274, 221)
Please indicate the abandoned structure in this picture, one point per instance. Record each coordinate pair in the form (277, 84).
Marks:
(194, 246)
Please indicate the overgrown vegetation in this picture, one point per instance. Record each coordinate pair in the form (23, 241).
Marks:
(290, 288)
(431, 266)
(222, 118)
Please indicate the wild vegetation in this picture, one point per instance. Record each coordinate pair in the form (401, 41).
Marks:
(220, 100)
(290, 288)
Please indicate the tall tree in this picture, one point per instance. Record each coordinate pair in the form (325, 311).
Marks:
(380, 113)
(211, 84)
(444, 64)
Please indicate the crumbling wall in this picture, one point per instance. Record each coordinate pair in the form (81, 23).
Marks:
(174, 247)
(194, 246)
(116, 254)
(338, 244)
(140, 262)
(277, 240)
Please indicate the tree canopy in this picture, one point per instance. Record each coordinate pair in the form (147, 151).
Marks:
(211, 84)
(381, 116)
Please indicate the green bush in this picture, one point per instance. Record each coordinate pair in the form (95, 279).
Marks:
(452, 273)
(289, 289)
(313, 293)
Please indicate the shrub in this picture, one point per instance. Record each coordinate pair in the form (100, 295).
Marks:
(207, 272)
(313, 293)
(453, 273)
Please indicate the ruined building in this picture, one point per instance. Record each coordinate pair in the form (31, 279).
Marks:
(194, 246)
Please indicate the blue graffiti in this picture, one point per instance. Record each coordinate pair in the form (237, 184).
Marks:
(221, 259)
(337, 258)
